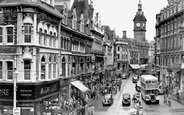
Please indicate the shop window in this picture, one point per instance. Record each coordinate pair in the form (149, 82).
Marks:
(27, 69)
(9, 34)
(43, 68)
(9, 69)
(63, 67)
(27, 33)
(1, 70)
(1, 34)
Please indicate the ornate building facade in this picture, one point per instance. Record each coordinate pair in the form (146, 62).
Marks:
(122, 63)
(169, 45)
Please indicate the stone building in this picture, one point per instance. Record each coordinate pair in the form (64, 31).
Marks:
(108, 43)
(122, 64)
(47, 51)
(169, 45)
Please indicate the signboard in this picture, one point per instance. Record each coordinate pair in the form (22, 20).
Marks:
(16, 111)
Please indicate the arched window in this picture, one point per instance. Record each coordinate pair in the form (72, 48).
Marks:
(63, 65)
(50, 68)
(40, 36)
(54, 67)
(43, 68)
(45, 37)
(27, 69)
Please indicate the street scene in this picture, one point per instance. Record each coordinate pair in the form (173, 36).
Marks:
(91, 57)
(116, 108)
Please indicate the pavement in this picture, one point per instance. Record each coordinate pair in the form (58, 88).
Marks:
(175, 99)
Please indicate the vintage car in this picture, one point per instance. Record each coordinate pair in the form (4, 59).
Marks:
(126, 99)
(107, 100)
(135, 79)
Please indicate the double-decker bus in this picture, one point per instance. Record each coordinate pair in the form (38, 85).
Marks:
(149, 88)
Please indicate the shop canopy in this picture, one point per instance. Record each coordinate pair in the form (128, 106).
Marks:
(135, 66)
(78, 84)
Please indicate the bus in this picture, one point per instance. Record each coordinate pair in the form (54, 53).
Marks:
(149, 88)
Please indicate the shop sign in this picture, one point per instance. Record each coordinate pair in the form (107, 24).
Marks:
(6, 91)
(25, 104)
(16, 111)
(47, 88)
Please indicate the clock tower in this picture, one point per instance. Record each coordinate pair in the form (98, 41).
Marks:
(140, 24)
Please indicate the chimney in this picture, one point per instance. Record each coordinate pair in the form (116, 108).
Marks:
(124, 34)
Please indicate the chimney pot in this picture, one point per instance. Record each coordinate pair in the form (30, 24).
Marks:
(124, 34)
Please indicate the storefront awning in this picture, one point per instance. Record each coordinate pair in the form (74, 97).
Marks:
(78, 84)
(135, 66)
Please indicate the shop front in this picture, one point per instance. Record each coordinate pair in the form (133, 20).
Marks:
(32, 98)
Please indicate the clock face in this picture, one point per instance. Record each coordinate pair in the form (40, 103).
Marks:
(138, 24)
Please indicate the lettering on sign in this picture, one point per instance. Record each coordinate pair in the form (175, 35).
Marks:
(4, 92)
(26, 92)
(50, 89)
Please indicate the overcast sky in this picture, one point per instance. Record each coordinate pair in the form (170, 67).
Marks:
(119, 14)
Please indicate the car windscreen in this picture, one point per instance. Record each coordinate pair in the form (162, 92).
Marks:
(126, 96)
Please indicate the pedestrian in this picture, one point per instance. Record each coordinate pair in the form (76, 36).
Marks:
(169, 99)
(178, 96)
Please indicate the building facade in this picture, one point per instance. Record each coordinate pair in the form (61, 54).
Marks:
(169, 45)
(121, 63)
(108, 43)
(48, 52)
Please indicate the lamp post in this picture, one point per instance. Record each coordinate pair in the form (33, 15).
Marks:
(15, 88)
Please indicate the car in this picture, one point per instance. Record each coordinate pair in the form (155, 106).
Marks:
(135, 79)
(124, 76)
(107, 100)
(126, 99)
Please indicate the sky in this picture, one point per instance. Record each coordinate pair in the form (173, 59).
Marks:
(119, 14)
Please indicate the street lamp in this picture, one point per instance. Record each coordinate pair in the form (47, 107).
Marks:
(15, 88)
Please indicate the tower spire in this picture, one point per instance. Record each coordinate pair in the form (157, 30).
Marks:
(139, 6)
(139, 1)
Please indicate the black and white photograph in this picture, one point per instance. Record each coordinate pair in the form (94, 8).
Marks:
(91, 57)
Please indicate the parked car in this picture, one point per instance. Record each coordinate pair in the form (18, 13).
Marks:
(107, 100)
(126, 99)
(135, 79)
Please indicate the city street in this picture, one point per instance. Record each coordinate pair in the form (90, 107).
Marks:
(148, 109)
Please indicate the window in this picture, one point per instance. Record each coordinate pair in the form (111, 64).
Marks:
(118, 66)
(27, 33)
(54, 68)
(9, 69)
(45, 37)
(9, 34)
(27, 69)
(40, 36)
(63, 65)
(1, 70)
(1, 34)
(50, 68)
(43, 68)
(118, 48)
